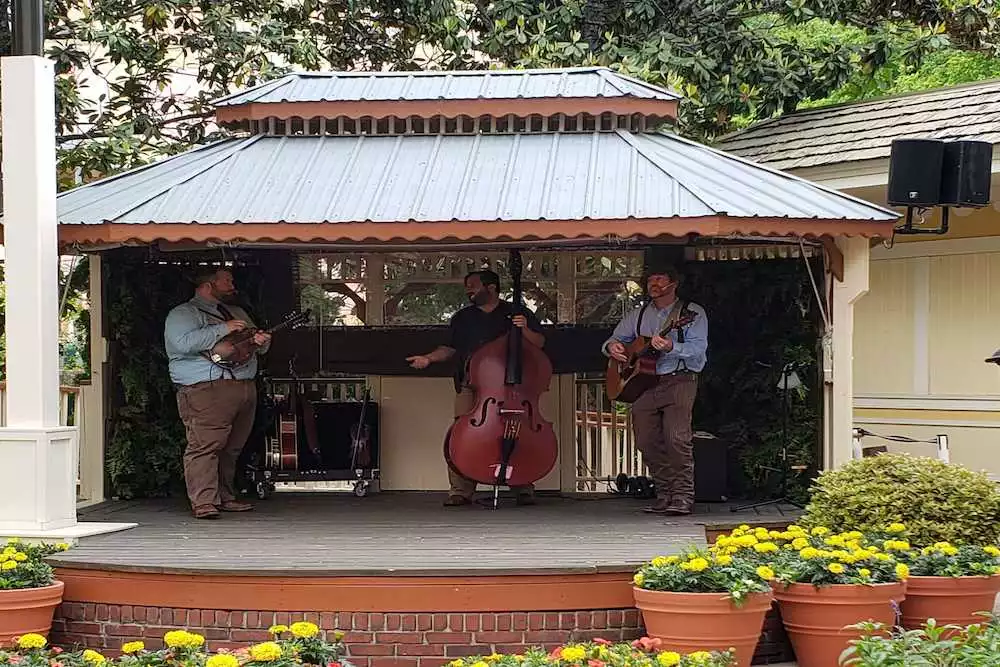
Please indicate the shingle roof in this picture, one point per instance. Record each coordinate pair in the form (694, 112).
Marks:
(615, 175)
(577, 82)
(865, 130)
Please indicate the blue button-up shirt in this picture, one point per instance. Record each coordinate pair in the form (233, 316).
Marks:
(191, 329)
(690, 355)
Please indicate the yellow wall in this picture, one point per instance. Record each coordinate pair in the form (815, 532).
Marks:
(921, 335)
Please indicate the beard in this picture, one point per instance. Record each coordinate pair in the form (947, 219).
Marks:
(480, 298)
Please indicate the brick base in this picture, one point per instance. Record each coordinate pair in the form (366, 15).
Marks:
(373, 640)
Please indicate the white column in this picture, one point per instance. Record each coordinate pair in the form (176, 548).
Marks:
(38, 457)
(845, 294)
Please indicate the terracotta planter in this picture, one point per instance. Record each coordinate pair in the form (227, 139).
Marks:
(816, 618)
(688, 622)
(948, 600)
(28, 610)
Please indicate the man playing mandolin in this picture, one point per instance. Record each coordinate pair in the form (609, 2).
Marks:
(484, 320)
(662, 414)
(216, 404)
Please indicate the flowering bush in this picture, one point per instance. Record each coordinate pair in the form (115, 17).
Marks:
(819, 556)
(644, 652)
(23, 565)
(298, 644)
(704, 571)
(943, 559)
(947, 645)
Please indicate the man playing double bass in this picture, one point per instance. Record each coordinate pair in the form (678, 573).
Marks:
(662, 415)
(484, 320)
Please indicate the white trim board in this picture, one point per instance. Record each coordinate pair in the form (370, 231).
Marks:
(927, 422)
(941, 248)
(919, 402)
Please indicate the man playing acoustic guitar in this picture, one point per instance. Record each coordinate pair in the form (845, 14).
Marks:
(216, 405)
(661, 416)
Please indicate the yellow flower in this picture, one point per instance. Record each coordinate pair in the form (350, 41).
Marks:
(865, 572)
(129, 648)
(493, 657)
(183, 639)
(700, 657)
(638, 579)
(668, 659)
(902, 570)
(265, 652)
(819, 531)
(338, 635)
(659, 561)
(277, 629)
(836, 568)
(896, 528)
(20, 557)
(765, 547)
(698, 564)
(62, 546)
(571, 653)
(765, 573)
(992, 551)
(9, 565)
(93, 657)
(222, 660)
(724, 560)
(809, 553)
(800, 543)
(304, 629)
(456, 663)
(30, 641)
(479, 663)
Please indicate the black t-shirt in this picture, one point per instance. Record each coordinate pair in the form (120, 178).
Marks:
(472, 327)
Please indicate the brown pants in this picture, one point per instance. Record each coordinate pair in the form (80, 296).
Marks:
(218, 417)
(460, 485)
(662, 421)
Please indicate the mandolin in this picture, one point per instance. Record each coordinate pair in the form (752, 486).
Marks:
(237, 347)
(626, 382)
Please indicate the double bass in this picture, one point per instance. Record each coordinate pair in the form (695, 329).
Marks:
(504, 440)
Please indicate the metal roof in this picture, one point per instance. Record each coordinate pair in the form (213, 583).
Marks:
(613, 175)
(575, 82)
(865, 130)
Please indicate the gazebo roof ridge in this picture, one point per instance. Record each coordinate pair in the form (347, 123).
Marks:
(519, 93)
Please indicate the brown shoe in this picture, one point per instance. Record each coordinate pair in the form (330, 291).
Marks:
(205, 512)
(235, 506)
(678, 508)
(457, 501)
(659, 507)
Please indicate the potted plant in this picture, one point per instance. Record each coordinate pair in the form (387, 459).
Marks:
(951, 584)
(931, 644)
(705, 600)
(826, 582)
(29, 592)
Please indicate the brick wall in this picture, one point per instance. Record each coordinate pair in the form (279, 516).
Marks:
(373, 640)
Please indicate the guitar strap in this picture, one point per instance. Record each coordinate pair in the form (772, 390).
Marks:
(679, 309)
(225, 315)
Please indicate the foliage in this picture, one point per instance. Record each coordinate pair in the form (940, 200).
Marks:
(704, 571)
(942, 559)
(645, 652)
(938, 502)
(23, 565)
(762, 315)
(302, 644)
(976, 645)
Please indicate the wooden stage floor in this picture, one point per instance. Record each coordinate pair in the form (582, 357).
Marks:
(336, 534)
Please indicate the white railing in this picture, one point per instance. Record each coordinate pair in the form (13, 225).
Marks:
(605, 441)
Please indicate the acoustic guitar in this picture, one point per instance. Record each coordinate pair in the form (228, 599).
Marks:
(237, 347)
(626, 382)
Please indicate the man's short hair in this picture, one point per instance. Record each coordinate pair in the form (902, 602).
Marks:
(206, 274)
(486, 276)
(668, 270)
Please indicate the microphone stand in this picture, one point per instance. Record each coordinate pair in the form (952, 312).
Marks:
(786, 371)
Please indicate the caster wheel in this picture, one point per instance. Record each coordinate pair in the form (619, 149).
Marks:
(263, 490)
(361, 489)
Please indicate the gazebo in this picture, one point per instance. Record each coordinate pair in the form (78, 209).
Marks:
(343, 182)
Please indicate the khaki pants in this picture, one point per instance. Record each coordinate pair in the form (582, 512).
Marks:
(462, 486)
(661, 418)
(218, 417)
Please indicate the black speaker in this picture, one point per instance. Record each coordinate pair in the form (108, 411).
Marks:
(965, 173)
(711, 466)
(915, 172)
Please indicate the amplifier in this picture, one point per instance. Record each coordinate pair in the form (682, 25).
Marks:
(711, 467)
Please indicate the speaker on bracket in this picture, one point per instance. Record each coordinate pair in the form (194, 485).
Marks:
(966, 173)
(915, 172)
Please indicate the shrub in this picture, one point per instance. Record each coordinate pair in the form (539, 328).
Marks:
(644, 652)
(976, 645)
(938, 502)
(23, 565)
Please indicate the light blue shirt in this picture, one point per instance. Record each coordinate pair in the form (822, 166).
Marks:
(190, 329)
(690, 355)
